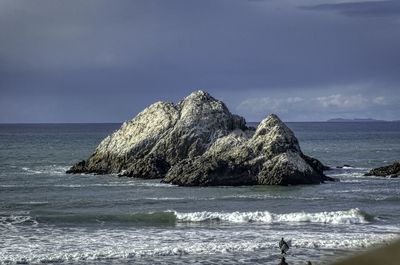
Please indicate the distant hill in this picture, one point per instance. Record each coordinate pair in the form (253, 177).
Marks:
(354, 120)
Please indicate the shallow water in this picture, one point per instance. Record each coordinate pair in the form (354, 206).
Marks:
(49, 217)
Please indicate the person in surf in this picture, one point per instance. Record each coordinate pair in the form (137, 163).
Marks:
(283, 246)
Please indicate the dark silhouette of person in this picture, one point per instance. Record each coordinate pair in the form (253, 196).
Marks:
(309, 263)
(283, 261)
(283, 246)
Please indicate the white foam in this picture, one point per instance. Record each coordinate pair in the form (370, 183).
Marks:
(151, 184)
(111, 184)
(50, 169)
(354, 172)
(270, 196)
(346, 174)
(33, 202)
(117, 184)
(78, 244)
(167, 198)
(12, 220)
(352, 216)
(353, 180)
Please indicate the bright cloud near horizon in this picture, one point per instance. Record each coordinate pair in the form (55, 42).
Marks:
(105, 61)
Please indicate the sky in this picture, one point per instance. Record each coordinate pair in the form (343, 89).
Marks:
(105, 61)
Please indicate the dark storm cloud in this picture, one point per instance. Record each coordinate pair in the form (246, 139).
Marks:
(363, 9)
(106, 60)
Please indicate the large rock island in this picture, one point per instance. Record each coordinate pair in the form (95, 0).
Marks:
(198, 142)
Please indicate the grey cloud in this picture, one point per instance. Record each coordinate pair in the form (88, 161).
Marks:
(389, 8)
(128, 54)
(320, 106)
(343, 101)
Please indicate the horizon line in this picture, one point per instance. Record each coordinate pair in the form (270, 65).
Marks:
(120, 122)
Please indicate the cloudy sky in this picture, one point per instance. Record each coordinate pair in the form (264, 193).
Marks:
(104, 61)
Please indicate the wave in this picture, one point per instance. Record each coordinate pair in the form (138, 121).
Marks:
(353, 175)
(117, 184)
(347, 170)
(152, 218)
(393, 198)
(353, 180)
(125, 245)
(32, 203)
(13, 220)
(267, 196)
(121, 184)
(352, 216)
(50, 169)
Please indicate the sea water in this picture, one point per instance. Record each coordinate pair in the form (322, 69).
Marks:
(47, 216)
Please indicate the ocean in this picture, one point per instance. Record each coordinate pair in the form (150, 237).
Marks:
(49, 217)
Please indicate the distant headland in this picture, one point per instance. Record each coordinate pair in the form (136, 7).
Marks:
(355, 120)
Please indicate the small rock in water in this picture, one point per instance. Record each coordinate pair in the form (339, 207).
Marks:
(391, 170)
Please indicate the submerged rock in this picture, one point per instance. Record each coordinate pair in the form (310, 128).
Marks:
(393, 171)
(198, 142)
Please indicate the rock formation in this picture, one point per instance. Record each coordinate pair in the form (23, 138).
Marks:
(271, 156)
(199, 142)
(392, 171)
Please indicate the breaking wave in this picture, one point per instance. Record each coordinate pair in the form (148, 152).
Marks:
(352, 216)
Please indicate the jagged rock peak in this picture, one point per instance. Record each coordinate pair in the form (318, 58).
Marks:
(273, 137)
(199, 95)
(273, 125)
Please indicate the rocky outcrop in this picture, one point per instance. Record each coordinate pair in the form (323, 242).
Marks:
(199, 142)
(271, 156)
(162, 135)
(392, 171)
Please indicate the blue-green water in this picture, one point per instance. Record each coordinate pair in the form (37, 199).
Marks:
(49, 217)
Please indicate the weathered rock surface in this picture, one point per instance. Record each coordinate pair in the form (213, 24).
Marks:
(271, 156)
(162, 135)
(199, 142)
(392, 170)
